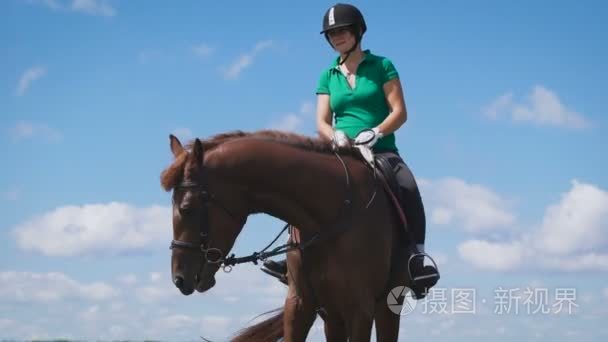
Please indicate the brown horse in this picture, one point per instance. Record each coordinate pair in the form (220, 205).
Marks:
(350, 254)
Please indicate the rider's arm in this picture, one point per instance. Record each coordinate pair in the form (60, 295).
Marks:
(324, 116)
(398, 115)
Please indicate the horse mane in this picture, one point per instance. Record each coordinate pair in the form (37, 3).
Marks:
(172, 174)
(293, 139)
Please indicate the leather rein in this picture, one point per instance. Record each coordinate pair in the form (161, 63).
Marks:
(217, 256)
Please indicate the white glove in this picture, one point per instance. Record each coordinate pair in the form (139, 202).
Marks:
(339, 139)
(368, 137)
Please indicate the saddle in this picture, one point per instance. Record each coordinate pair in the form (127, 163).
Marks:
(383, 167)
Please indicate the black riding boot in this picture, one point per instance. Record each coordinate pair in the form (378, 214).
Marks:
(277, 269)
(423, 276)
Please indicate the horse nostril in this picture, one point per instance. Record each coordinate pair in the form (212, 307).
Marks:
(179, 282)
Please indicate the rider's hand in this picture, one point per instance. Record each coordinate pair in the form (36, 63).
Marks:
(368, 137)
(339, 139)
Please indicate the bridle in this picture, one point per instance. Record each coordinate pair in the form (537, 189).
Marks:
(211, 255)
(214, 255)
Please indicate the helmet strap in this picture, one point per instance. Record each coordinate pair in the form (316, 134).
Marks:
(357, 41)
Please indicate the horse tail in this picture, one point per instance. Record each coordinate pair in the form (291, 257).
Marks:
(269, 330)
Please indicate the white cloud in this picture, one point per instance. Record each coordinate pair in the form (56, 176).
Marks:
(293, 121)
(117, 331)
(174, 322)
(289, 122)
(52, 4)
(231, 299)
(442, 216)
(577, 223)
(28, 77)
(471, 207)
(440, 258)
(447, 324)
(92, 7)
(158, 292)
(146, 56)
(231, 286)
(128, 279)
(213, 326)
(209, 326)
(29, 332)
(498, 106)
(574, 262)
(155, 276)
(489, 255)
(543, 107)
(117, 307)
(605, 292)
(26, 130)
(99, 291)
(6, 323)
(95, 228)
(203, 50)
(12, 195)
(26, 287)
(307, 108)
(571, 237)
(245, 60)
(90, 314)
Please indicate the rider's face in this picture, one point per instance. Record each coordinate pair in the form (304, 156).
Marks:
(342, 39)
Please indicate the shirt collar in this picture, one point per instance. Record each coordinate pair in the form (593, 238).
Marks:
(366, 54)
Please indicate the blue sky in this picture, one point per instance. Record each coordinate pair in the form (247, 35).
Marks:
(506, 135)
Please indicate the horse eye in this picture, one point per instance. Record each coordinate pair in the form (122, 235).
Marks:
(186, 210)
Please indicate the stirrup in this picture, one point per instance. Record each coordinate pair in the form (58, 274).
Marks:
(421, 283)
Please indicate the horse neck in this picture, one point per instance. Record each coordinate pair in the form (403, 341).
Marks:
(304, 188)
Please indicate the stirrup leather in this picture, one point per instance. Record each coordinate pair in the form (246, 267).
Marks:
(282, 277)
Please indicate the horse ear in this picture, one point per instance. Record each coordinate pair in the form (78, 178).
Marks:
(197, 151)
(176, 145)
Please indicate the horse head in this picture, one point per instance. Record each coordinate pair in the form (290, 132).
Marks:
(208, 214)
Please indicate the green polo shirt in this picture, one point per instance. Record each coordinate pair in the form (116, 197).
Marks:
(365, 105)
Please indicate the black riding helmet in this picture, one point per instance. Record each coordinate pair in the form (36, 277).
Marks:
(344, 15)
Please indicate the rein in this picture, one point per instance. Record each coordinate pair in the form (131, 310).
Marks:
(216, 256)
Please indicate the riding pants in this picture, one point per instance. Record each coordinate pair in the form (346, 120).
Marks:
(411, 200)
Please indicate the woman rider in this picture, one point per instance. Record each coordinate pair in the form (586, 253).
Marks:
(362, 92)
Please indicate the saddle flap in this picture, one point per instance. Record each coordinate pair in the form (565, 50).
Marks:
(386, 168)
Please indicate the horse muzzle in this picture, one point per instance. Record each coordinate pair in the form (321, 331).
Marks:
(181, 285)
(205, 285)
